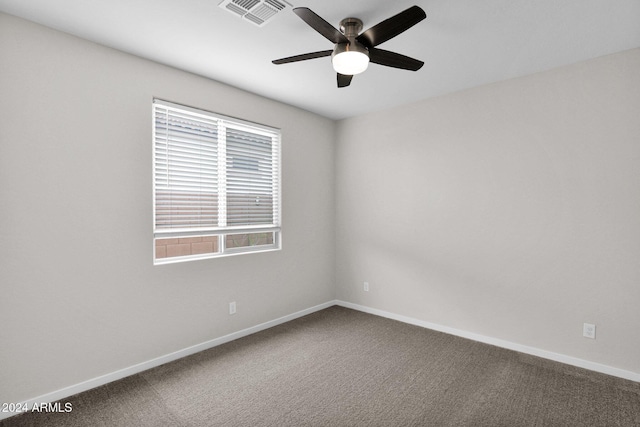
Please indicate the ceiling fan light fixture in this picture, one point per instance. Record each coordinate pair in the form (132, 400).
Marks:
(350, 59)
(354, 50)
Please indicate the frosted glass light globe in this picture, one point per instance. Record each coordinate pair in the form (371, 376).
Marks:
(350, 62)
(350, 58)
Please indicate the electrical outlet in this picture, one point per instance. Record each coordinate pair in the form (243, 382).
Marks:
(232, 307)
(589, 331)
(366, 286)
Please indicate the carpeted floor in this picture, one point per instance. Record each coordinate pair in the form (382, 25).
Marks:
(340, 367)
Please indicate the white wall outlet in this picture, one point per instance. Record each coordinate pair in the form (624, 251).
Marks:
(589, 331)
(366, 286)
(232, 307)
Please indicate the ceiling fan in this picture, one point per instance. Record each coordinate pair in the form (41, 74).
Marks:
(354, 50)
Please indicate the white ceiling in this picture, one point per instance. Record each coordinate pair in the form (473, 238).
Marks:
(464, 43)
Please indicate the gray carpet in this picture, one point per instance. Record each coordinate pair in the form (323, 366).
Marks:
(340, 367)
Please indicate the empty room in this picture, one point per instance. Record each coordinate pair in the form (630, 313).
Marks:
(277, 213)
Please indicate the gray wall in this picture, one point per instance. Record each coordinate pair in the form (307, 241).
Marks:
(510, 211)
(79, 295)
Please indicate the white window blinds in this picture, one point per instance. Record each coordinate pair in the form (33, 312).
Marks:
(214, 176)
(186, 170)
(251, 176)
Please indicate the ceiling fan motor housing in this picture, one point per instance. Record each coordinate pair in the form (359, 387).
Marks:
(351, 27)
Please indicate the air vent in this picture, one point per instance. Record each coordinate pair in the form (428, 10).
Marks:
(258, 12)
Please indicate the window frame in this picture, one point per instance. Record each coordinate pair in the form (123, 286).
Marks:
(222, 231)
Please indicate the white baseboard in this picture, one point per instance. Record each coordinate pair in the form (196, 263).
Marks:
(574, 361)
(140, 367)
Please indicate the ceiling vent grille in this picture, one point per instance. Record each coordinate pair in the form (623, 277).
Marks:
(258, 12)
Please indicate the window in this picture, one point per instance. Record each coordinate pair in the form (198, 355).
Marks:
(216, 185)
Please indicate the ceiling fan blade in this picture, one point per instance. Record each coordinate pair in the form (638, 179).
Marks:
(344, 80)
(392, 59)
(303, 57)
(391, 27)
(320, 25)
